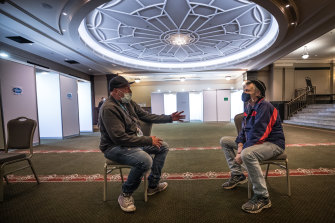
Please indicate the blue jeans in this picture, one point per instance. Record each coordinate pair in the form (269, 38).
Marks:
(141, 161)
(250, 157)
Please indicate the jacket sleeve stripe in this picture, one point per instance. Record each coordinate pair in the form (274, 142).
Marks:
(268, 130)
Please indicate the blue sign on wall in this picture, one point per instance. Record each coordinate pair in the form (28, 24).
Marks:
(17, 90)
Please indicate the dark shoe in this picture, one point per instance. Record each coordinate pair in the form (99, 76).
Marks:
(126, 203)
(160, 187)
(256, 204)
(234, 181)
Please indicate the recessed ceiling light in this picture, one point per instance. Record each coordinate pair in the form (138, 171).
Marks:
(64, 13)
(228, 78)
(64, 30)
(182, 79)
(137, 80)
(287, 5)
(4, 55)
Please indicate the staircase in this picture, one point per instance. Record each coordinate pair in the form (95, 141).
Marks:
(315, 115)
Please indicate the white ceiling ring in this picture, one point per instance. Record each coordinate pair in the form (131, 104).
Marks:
(223, 33)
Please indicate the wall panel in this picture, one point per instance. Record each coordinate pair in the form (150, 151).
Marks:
(70, 110)
(16, 75)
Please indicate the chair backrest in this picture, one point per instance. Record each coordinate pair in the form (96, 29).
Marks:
(20, 133)
(238, 122)
(146, 128)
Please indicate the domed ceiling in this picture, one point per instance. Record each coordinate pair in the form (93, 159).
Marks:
(178, 35)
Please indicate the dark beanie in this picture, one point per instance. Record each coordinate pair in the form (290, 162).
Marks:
(117, 82)
(260, 85)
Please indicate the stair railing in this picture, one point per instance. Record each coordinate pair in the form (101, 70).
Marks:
(300, 102)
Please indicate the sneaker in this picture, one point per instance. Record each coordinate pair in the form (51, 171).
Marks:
(234, 181)
(126, 203)
(256, 204)
(160, 187)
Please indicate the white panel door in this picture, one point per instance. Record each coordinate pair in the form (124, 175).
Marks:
(157, 103)
(85, 106)
(183, 104)
(49, 105)
(210, 110)
(70, 110)
(18, 93)
(223, 105)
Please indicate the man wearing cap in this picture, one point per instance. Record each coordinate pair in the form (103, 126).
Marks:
(122, 140)
(261, 138)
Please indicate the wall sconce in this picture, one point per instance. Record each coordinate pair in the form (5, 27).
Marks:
(305, 55)
(137, 80)
(228, 78)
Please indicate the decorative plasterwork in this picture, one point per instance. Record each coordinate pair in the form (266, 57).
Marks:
(137, 32)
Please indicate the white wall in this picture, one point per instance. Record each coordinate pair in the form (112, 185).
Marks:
(16, 75)
(85, 106)
(170, 103)
(183, 104)
(196, 106)
(210, 106)
(236, 103)
(157, 103)
(70, 110)
(49, 104)
(223, 105)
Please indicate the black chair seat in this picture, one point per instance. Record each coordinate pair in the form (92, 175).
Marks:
(282, 156)
(7, 157)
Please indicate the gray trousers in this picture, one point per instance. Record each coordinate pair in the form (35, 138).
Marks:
(250, 157)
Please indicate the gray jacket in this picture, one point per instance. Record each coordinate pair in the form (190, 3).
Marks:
(118, 125)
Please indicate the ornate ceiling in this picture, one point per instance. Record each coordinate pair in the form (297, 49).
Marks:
(139, 33)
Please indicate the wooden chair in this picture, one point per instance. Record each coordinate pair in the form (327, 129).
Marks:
(20, 137)
(281, 160)
(111, 165)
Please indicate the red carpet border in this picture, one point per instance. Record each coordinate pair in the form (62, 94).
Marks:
(174, 149)
(165, 176)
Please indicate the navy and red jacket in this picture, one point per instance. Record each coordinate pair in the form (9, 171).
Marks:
(260, 124)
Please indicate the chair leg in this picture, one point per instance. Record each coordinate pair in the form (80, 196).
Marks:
(267, 171)
(34, 172)
(105, 183)
(6, 179)
(249, 188)
(1, 185)
(121, 176)
(288, 179)
(145, 185)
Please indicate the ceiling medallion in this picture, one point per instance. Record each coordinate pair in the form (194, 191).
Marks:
(179, 39)
(178, 35)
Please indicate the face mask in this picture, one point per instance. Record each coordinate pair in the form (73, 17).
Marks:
(245, 97)
(126, 97)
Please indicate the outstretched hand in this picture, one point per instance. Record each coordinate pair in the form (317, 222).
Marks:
(177, 116)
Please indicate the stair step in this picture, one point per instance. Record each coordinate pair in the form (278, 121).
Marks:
(321, 106)
(314, 117)
(318, 109)
(314, 121)
(310, 124)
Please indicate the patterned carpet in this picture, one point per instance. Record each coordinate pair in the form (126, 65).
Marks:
(71, 175)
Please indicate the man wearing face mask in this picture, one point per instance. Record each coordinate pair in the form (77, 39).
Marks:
(122, 140)
(261, 138)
